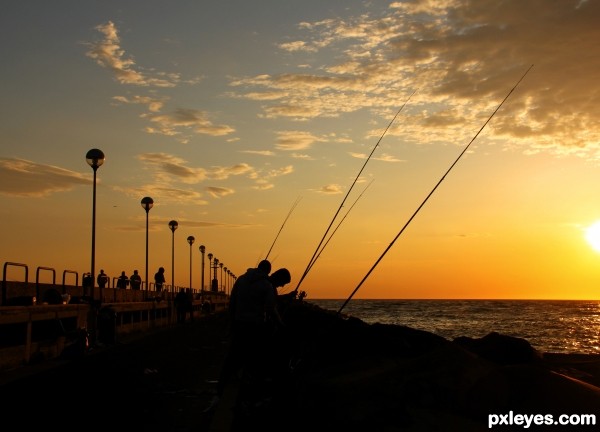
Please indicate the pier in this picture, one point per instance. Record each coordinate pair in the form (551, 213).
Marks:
(44, 321)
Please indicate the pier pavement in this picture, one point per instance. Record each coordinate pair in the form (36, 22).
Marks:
(161, 380)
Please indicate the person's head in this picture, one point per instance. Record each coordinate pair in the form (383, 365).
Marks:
(161, 269)
(135, 272)
(101, 271)
(265, 266)
(280, 277)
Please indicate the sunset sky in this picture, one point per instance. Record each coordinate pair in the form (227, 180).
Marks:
(233, 115)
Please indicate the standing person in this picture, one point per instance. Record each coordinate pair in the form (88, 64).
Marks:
(122, 281)
(87, 283)
(135, 280)
(102, 279)
(159, 279)
(252, 300)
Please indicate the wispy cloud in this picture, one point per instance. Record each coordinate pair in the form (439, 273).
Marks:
(182, 118)
(218, 192)
(296, 140)
(384, 157)
(169, 169)
(331, 189)
(260, 152)
(19, 177)
(109, 54)
(180, 122)
(154, 105)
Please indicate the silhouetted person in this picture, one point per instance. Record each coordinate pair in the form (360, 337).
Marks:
(102, 279)
(252, 301)
(135, 280)
(122, 281)
(87, 282)
(181, 305)
(159, 279)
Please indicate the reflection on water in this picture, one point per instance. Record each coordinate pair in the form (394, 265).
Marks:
(568, 326)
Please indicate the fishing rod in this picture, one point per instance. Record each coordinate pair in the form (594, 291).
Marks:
(432, 191)
(283, 224)
(340, 222)
(312, 259)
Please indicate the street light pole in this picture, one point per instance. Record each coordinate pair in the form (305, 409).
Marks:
(190, 240)
(202, 250)
(215, 281)
(147, 204)
(95, 159)
(221, 265)
(210, 257)
(173, 226)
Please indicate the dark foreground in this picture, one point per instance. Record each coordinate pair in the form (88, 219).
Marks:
(332, 374)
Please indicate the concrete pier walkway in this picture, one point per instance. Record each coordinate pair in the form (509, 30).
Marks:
(160, 380)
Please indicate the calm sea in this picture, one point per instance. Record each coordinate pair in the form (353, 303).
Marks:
(566, 326)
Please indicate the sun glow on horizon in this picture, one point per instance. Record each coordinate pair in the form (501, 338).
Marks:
(592, 235)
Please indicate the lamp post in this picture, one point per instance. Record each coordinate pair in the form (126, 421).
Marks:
(202, 250)
(210, 257)
(147, 204)
(190, 240)
(95, 159)
(221, 265)
(173, 226)
(215, 281)
(224, 280)
(229, 281)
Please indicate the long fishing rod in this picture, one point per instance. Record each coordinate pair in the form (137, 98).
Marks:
(432, 191)
(283, 224)
(311, 262)
(340, 222)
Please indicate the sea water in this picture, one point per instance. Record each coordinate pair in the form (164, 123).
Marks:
(561, 326)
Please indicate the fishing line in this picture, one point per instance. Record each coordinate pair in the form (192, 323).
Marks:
(432, 191)
(340, 222)
(312, 259)
(283, 224)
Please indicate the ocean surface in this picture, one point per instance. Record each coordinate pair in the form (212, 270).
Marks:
(552, 326)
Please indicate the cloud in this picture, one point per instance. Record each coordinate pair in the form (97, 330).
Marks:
(185, 118)
(384, 157)
(162, 194)
(296, 140)
(218, 192)
(154, 105)
(168, 169)
(331, 189)
(259, 152)
(222, 173)
(463, 56)
(23, 178)
(109, 54)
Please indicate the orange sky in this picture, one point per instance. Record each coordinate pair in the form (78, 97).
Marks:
(226, 115)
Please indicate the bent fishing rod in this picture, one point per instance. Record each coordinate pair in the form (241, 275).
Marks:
(432, 191)
(312, 259)
(283, 224)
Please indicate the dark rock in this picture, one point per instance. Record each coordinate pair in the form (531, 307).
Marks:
(501, 349)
